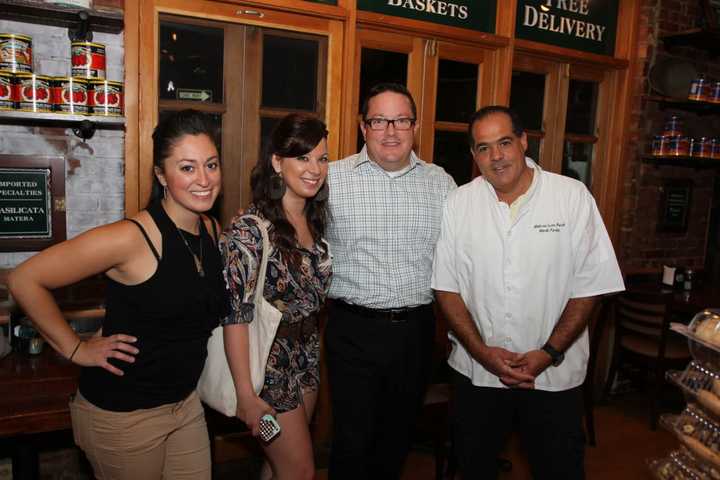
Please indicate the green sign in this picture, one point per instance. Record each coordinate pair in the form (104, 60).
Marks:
(587, 25)
(472, 14)
(675, 206)
(25, 203)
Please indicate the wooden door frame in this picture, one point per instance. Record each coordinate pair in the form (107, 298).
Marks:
(142, 24)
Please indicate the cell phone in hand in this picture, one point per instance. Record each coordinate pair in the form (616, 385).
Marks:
(269, 427)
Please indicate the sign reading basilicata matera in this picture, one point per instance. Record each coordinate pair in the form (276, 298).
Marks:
(25, 203)
(473, 14)
(587, 25)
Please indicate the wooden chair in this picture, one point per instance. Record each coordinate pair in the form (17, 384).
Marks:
(433, 423)
(642, 334)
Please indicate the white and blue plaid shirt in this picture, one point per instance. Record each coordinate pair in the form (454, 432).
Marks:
(383, 229)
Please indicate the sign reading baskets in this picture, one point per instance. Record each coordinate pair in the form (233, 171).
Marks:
(587, 25)
(472, 14)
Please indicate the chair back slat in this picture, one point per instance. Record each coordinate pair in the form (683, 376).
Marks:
(641, 313)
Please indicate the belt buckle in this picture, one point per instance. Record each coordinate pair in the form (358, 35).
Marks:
(396, 315)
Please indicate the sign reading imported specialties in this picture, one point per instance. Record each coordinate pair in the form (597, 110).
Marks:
(587, 25)
(473, 14)
(25, 203)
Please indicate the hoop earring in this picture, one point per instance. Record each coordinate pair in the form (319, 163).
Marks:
(165, 192)
(276, 190)
(323, 193)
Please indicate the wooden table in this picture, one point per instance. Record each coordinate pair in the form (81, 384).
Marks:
(684, 303)
(34, 395)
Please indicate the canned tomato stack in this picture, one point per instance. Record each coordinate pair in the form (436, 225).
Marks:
(20, 88)
(105, 97)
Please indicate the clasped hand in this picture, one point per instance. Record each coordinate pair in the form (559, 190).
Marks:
(515, 370)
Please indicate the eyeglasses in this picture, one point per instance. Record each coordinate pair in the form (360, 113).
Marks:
(402, 123)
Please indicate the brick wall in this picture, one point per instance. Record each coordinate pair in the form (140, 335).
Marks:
(94, 181)
(642, 247)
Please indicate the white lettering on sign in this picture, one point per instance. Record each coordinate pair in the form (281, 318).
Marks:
(534, 18)
(437, 7)
(22, 210)
(20, 193)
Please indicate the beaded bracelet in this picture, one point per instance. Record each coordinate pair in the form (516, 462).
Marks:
(76, 349)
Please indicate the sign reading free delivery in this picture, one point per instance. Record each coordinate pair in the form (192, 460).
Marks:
(587, 25)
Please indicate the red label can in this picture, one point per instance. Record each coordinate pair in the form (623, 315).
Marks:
(88, 60)
(32, 93)
(7, 91)
(106, 97)
(15, 53)
(70, 95)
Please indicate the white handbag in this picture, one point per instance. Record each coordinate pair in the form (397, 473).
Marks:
(216, 387)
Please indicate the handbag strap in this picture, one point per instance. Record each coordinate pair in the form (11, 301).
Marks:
(260, 285)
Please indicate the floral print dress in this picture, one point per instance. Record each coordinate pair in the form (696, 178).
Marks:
(293, 367)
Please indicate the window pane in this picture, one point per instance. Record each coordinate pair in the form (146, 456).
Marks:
(533, 150)
(582, 103)
(452, 152)
(191, 62)
(266, 126)
(290, 69)
(379, 66)
(527, 96)
(577, 161)
(456, 91)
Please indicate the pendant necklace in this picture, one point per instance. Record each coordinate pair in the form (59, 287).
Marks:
(198, 261)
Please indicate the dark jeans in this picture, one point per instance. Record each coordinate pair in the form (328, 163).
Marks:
(378, 371)
(549, 423)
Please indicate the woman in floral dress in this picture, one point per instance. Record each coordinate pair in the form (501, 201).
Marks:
(290, 196)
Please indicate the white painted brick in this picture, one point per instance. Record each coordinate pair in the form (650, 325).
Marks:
(78, 184)
(82, 202)
(99, 146)
(31, 145)
(112, 203)
(13, 259)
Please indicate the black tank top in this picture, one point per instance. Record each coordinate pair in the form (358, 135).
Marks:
(172, 314)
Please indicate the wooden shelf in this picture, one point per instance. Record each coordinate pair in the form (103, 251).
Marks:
(699, 38)
(34, 11)
(689, 162)
(59, 119)
(684, 104)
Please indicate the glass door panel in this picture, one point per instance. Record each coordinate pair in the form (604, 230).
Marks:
(191, 62)
(452, 152)
(580, 130)
(454, 76)
(379, 66)
(456, 91)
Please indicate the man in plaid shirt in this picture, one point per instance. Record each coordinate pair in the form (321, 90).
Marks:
(386, 207)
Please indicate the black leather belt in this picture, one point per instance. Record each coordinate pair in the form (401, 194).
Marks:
(390, 314)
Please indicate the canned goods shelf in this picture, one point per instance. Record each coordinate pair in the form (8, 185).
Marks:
(61, 119)
(684, 104)
(682, 161)
(702, 38)
(34, 11)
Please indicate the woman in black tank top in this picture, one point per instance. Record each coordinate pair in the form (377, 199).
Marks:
(136, 413)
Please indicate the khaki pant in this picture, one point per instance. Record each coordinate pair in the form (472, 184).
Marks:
(166, 442)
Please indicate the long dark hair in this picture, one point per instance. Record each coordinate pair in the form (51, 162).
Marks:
(169, 131)
(294, 135)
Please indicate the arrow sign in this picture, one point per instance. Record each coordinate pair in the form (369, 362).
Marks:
(194, 95)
